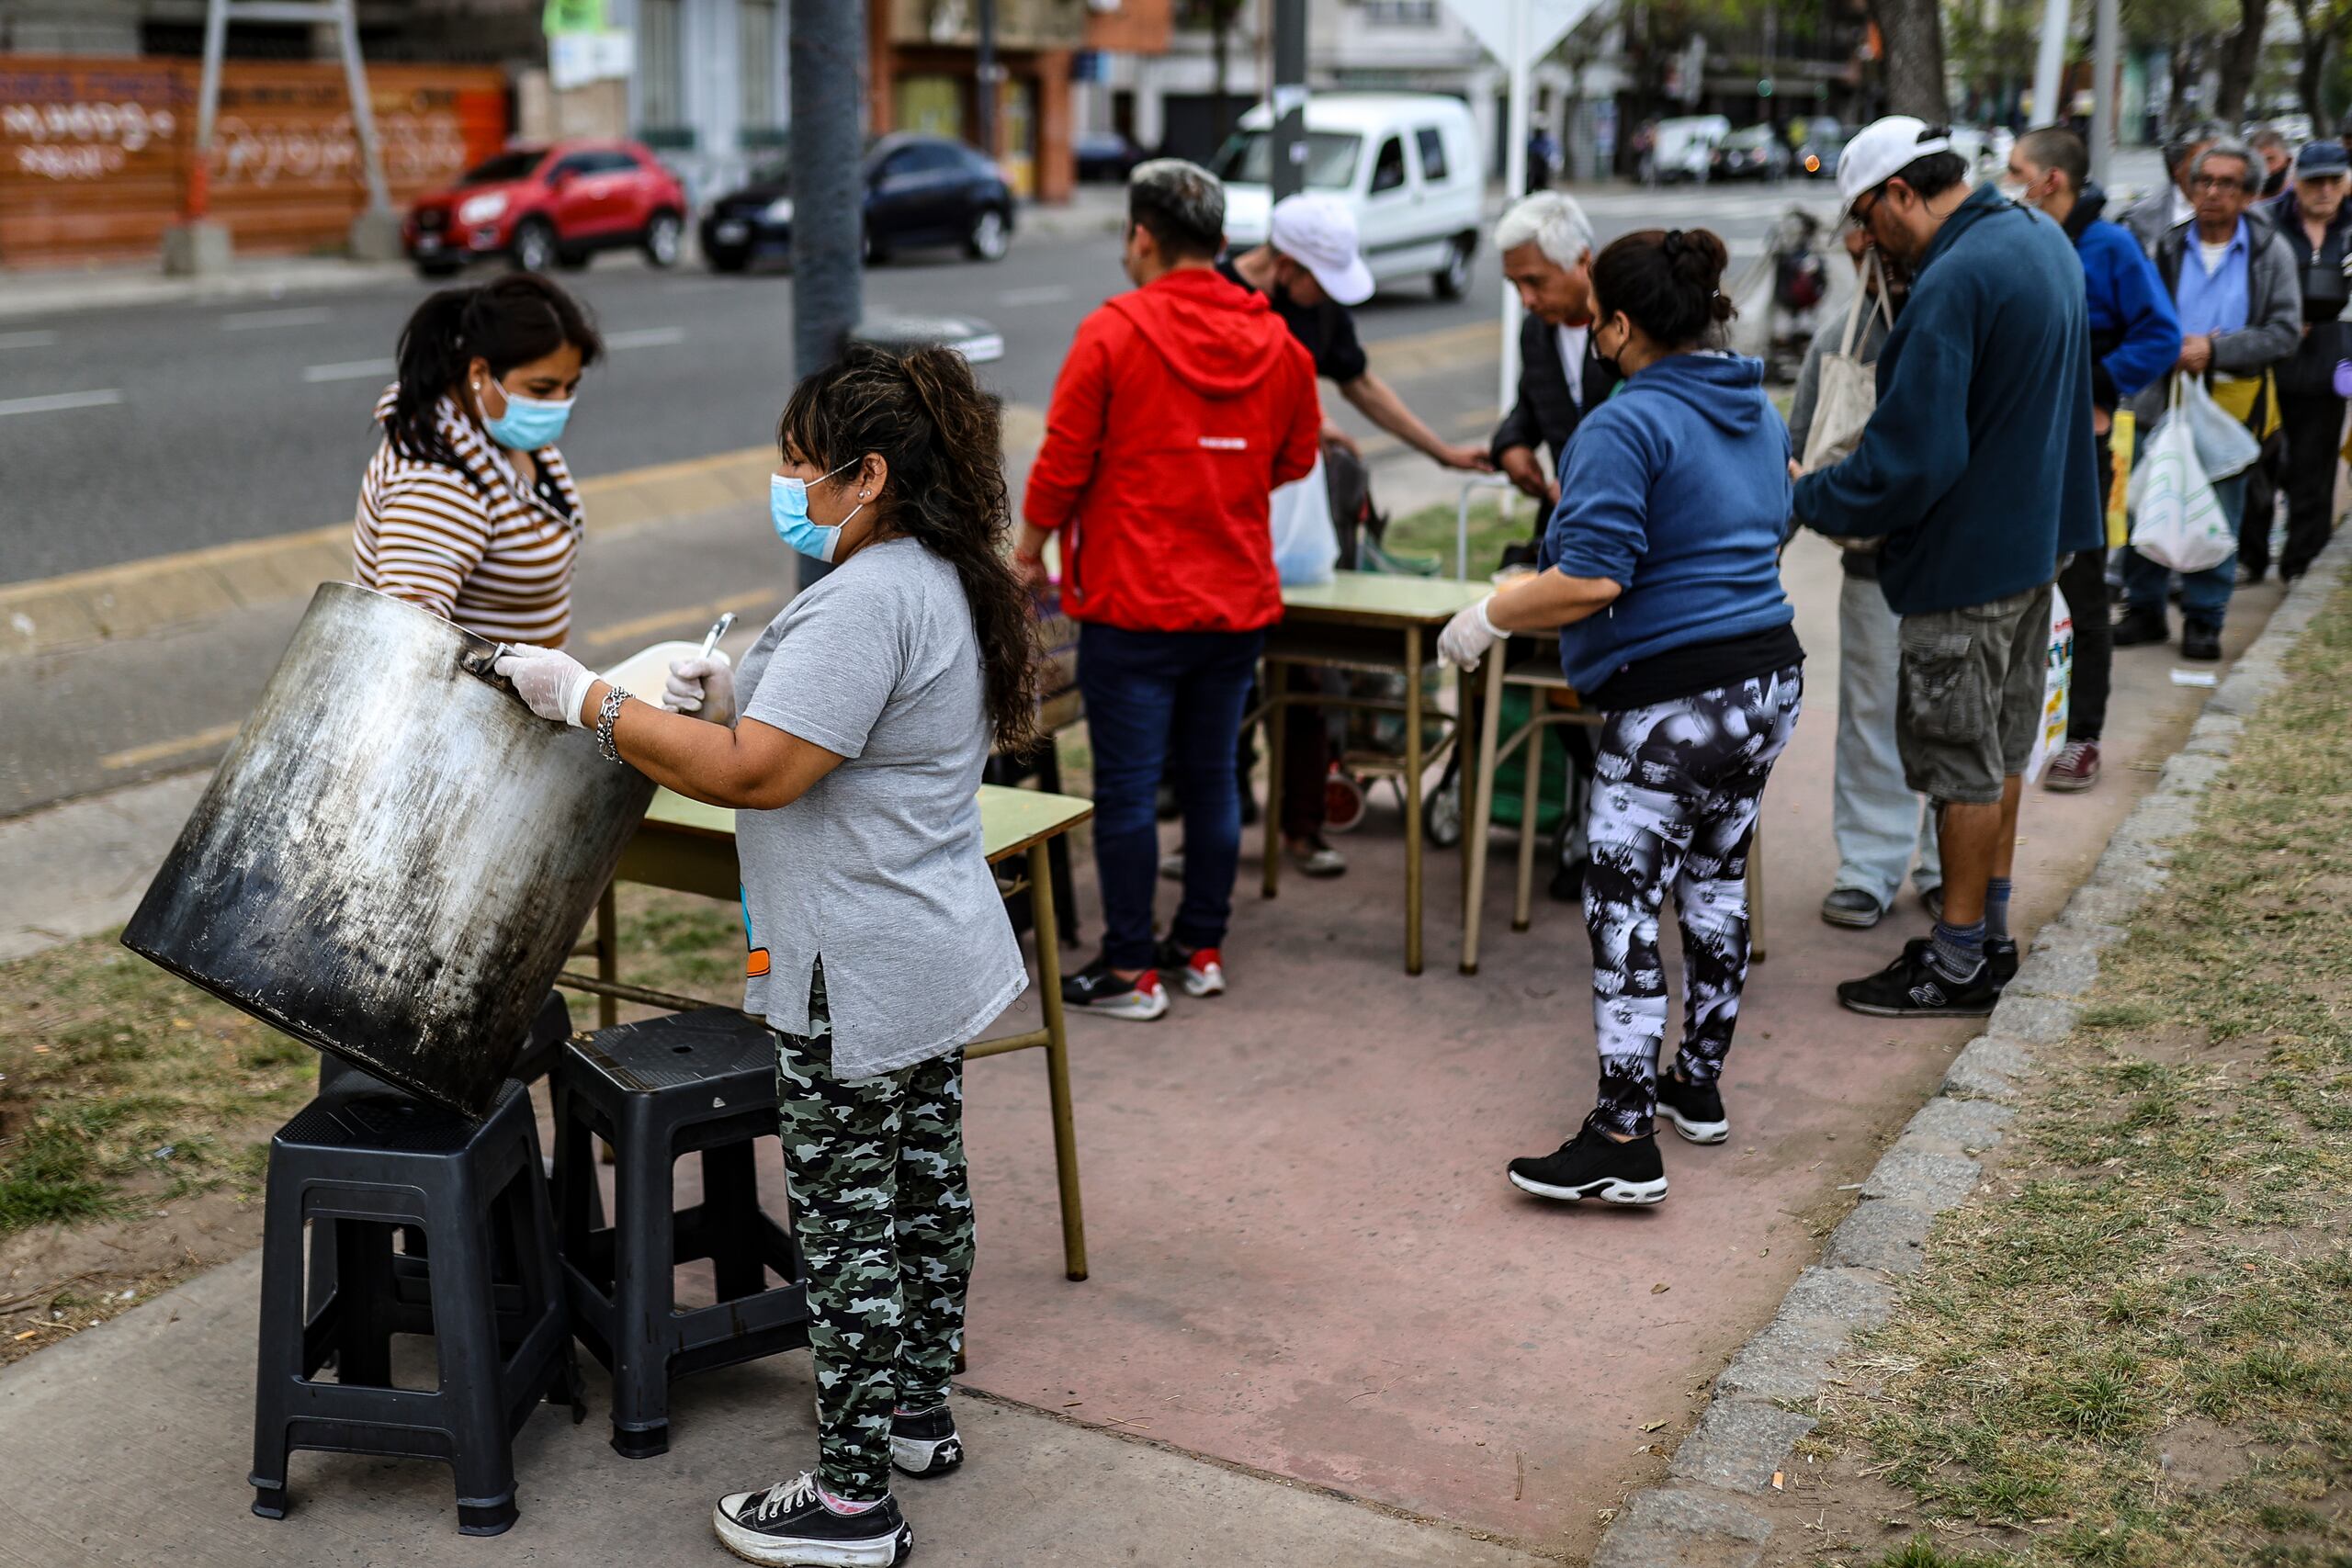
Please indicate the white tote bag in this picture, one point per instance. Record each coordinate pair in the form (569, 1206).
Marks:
(1847, 391)
(1306, 547)
(2056, 686)
(2176, 521)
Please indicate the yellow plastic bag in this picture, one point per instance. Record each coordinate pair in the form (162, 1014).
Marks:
(2120, 442)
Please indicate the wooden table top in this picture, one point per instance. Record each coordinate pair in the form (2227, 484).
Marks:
(1010, 819)
(1368, 598)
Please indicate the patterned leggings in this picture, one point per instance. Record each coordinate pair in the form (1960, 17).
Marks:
(1676, 793)
(882, 1213)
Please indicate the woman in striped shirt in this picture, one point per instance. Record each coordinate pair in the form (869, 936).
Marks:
(467, 508)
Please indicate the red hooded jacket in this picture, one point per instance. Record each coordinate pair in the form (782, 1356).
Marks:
(1180, 406)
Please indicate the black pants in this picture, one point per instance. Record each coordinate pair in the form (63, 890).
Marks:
(2263, 483)
(2314, 426)
(2083, 579)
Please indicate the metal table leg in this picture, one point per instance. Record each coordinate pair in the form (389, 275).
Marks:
(608, 956)
(1530, 759)
(1412, 800)
(1482, 809)
(1756, 891)
(1271, 818)
(1050, 981)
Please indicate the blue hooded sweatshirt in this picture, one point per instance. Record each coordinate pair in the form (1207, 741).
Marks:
(1677, 489)
(1978, 468)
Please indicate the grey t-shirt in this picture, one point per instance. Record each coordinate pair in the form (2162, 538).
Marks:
(878, 868)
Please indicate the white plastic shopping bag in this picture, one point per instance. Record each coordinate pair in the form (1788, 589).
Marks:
(2055, 686)
(2225, 445)
(1848, 393)
(1306, 546)
(2176, 520)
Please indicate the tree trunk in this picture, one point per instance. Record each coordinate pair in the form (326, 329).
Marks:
(1913, 33)
(2240, 56)
(2181, 66)
(2311, 71)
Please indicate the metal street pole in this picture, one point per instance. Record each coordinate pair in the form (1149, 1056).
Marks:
(2049, 62)
(1514, 185)
(989, 93)
(828, 184)
(1287, 175)
(2103, 87)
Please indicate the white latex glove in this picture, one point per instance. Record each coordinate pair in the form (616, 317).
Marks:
(1467, 636)
(702, 686)
(552, 683)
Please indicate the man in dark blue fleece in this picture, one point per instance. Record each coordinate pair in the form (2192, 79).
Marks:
(1977, 473)
(2135, 339)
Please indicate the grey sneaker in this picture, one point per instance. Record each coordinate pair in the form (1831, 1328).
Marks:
(1851, 908)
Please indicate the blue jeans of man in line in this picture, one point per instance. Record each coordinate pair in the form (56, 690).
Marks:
(1879, 823)
(1165, 701)
(2204, 595)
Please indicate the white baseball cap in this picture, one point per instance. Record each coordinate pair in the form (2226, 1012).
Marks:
(1319, 233)
(1883, 149)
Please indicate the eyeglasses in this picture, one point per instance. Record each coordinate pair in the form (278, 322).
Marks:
(1858, 216)
(2203, 182)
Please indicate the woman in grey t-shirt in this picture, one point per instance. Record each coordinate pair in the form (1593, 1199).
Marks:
(879, 944)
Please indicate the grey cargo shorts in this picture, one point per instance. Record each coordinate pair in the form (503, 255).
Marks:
(1971, 694)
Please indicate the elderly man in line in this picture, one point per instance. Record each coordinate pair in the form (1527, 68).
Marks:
(2241, 308)
(2316, 223)
(1546, 246)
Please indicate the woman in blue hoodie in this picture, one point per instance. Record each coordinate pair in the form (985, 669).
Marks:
(1660, 570)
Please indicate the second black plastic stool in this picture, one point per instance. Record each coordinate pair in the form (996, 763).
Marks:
(699, 1081)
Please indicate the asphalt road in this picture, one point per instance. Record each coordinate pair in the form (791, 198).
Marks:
(134, 433)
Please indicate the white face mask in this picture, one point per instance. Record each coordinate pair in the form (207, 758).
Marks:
(2015, 190)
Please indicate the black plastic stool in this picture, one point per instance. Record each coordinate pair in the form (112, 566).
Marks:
(703, 1080)
(491, 1294)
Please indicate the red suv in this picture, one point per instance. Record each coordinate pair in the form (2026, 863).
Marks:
(551, 206)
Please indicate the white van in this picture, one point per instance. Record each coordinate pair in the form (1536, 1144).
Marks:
(1406, 164)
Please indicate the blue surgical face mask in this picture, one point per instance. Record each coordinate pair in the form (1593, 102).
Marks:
(788, 510)
(528, 423)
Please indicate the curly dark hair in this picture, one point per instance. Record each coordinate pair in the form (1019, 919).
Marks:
(924, 414)
(508, 320)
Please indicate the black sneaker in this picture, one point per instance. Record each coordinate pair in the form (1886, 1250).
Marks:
(2000, 956)
(924, 1444)
(1098, 989)
(1594, 1165)
(1201, 970)
(788, 1524)
(2201, 643)
(1695, 1109)
(1910, 987)
(2142, 628)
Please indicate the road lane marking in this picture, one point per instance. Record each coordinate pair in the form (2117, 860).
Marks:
(301, 316)
(646, 337)
(1045, 294)
(349, 370)
(163, 750)
(55, 401)
(27, 339)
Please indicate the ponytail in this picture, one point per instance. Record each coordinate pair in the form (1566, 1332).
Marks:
(508, 322)
(1669, 282)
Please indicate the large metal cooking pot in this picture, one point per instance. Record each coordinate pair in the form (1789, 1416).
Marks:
(396, 857)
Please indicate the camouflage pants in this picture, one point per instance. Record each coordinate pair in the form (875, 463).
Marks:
(1675, 792)
(883, 1214)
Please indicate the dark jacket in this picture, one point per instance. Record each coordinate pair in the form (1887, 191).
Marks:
(1978, 467)
(2311, 370)
(2274, 306)
(1545, 416)
(2135, 336)
(1675, 490)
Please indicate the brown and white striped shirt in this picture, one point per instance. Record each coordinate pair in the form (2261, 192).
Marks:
(475, 545)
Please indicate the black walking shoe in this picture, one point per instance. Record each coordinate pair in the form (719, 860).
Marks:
(2142, 628)
(1098, 989)
(1695, 1109)
(1910, 987)
(2000, 956)
(2200, 643)
(1594, 1165)
(789, 1525)
(924, 1444)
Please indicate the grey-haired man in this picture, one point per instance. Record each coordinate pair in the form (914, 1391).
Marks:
(1546, 245)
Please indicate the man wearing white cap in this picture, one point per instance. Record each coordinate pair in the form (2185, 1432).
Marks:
(1975, 474)
(1310, 271)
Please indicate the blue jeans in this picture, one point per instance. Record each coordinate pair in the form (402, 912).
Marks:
(2204, 595)
(1171, 703)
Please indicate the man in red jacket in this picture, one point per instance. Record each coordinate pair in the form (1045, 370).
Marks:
(1180, 407)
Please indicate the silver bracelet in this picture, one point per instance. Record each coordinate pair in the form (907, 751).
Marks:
(605, 717)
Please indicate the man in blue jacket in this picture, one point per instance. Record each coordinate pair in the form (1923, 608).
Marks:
(2135, 338)
(1977, 472)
